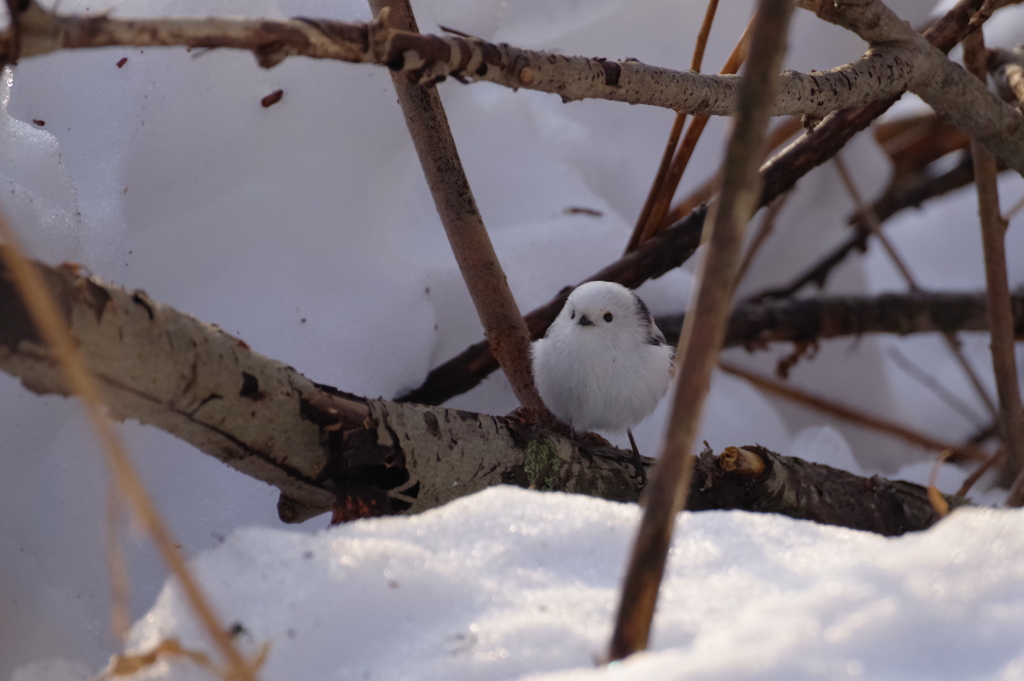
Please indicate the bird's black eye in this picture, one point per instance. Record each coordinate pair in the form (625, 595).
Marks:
(573, 315)
(607, 316)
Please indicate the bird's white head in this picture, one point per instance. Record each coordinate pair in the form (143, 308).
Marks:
(604, 307)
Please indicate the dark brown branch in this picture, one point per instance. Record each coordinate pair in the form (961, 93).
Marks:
(802, 320)
(704, 329)
(506, 332)
(1000, 314)
(801, 489)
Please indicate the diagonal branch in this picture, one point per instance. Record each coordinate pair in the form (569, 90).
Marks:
(506, 332)
(704, 329)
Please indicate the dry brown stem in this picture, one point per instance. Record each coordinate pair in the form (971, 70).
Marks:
(709, 312)
(658, 186)
(39, 316)
(652, 219)
(993, 233)
(805, 320)
(504, 327)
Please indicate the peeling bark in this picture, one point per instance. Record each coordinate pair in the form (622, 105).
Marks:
(899, 59)
(327, 450)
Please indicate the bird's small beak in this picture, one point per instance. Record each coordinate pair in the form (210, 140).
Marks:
(584, 321)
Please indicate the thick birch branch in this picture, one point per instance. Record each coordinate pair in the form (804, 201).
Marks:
(891, 66)
(954, 93)
(329, 451)
(430, 58)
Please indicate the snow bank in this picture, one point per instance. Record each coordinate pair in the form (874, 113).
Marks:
(508, 583)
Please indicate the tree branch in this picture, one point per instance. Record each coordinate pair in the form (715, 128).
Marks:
(829, 136)
(953, 92)
(330, 451)
(506, 332)
(1000, 315)
(704, 329)
(803, 320)
(895, 62)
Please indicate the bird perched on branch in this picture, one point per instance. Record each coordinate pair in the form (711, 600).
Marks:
(603, 363)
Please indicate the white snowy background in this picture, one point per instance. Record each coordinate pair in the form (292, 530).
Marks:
(306, 229)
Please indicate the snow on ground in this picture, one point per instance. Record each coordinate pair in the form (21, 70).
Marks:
(509, 582)
(306, 229)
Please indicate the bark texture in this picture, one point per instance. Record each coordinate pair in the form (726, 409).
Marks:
(898, 60)
(329, 451)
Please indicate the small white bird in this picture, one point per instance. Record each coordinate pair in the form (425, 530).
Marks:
(603, 363)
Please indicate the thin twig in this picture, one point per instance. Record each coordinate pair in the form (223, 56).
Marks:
(869, 217)
(849, 414)
(54, 332)
(709, 313)
(657, 187)
(993, 233)
(504, 327)
(657, 222)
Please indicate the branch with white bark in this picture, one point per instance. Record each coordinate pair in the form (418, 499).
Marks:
(955, 94)
(330, 451)
(896, 62)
